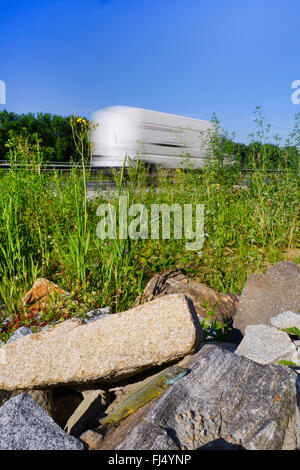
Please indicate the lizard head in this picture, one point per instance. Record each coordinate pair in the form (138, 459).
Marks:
(174, 373)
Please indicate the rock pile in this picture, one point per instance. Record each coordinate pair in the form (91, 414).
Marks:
(57, 386)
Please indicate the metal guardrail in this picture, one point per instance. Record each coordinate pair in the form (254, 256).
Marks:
(63, 166)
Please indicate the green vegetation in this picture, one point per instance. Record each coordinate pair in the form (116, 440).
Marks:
(54, 134)
(288, 363)
(48, 229)
(293, 331)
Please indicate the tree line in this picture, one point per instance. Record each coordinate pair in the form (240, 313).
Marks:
(54, 132)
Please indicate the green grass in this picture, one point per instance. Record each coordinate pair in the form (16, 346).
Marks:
(47, 229)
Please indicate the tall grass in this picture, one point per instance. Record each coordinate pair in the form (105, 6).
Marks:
(48, 229)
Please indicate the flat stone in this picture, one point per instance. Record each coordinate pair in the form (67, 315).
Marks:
(267, 345)
(225, 402)
(86, 415)
(286, 320)
(106, 350)
(19, 333)
(267, 295)
(26, 426)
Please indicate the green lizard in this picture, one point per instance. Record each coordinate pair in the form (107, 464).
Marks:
(145, 394)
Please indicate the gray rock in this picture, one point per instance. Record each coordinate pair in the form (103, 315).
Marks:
(151, 435)
(267, 345)
(19, 333)
(96, 317)
(43, 398)
(99, 311)
(226, 401)
(286, 320)
(267, 295)
(223, 344)
(97, 314)
(26, 426)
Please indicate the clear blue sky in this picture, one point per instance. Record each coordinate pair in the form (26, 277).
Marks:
(189, 57)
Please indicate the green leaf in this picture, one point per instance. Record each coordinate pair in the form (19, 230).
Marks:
(287, 363)
(293, 331)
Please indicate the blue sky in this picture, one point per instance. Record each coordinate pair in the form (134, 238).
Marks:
(188, 57)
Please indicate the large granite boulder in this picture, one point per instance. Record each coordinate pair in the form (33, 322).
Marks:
(106, 350)
(26, 426)
(225, 401)
(267, 295)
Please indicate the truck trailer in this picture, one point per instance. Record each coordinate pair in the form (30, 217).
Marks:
(156, 138)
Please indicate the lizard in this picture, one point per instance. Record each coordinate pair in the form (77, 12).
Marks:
(145, 394)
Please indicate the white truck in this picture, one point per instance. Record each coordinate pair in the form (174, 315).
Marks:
(154, 137)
